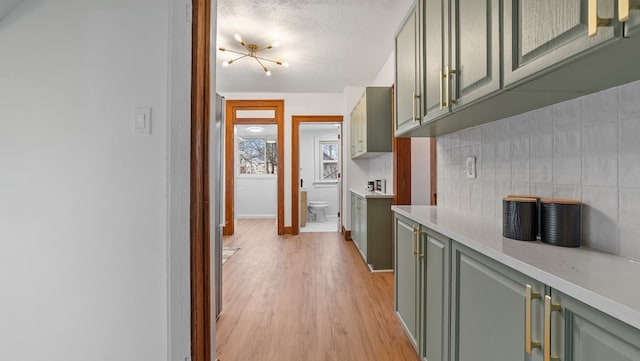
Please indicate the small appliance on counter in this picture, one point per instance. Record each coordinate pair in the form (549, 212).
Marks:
(520, 217)
(561, 222)
(381, 185)
(371, 186)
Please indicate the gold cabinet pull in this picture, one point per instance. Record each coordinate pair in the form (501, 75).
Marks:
(548, 308)
(528, 343)
(594, 20)
(415, 241)
(624, 6)
(413, 106)
(449, 72)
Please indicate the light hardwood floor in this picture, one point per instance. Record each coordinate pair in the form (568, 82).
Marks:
(304, 298)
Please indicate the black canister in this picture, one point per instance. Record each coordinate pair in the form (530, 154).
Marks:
(561, 222)
(520, 218)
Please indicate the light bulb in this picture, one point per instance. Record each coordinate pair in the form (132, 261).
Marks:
(268, 72)
(275, 44)
(225, 63)
(237, 37)
(286, 65)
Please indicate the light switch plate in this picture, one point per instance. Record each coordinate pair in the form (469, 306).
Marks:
(471, 167)
(142, 120)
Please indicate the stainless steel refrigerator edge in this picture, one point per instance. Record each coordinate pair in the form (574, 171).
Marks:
(216, 184)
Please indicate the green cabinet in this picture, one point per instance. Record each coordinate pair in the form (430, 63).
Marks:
(371, 123)
(541, 34)
(371, 230)
(422, 287)
(408, 84)
(489, 306)
(581, 333)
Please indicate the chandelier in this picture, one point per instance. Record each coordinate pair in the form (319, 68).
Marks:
(251, 51)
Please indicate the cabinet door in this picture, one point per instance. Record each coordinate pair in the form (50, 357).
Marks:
(433, 40)
(632, 25)
(434, 251)
(362, 206)
(407, 78)
(354, 204)
(488, 309)
(582, 333)
(540, 34)
(362, 125)
(475, 48)
(406, 281)
(353, 122)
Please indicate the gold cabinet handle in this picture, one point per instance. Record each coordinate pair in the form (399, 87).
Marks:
(413, 106)
(548, 308)
(594, 21)
(624, 6)
(449, 72)
(415, 241)
(528, 343)
(442, 78)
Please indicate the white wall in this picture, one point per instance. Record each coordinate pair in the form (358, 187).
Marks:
(83, 210)
(420, 171)
(309, 168)
(586, 148)
(256, 196)
(295, 104)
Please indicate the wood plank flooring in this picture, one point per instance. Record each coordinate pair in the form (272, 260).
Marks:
(304, 298)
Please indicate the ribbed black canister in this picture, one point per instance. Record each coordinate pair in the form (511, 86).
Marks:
(561, 222)
(519, 218)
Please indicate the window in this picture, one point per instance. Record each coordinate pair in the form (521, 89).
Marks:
(257, 156)
(329, 157)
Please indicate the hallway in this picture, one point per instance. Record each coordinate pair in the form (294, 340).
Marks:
(304, 298)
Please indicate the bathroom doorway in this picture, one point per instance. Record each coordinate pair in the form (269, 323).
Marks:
(316, 173)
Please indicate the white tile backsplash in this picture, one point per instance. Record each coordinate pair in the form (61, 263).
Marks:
(587, 148)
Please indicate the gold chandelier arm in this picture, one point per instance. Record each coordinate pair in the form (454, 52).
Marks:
(232, 51)
(279, 62)
(266, 70)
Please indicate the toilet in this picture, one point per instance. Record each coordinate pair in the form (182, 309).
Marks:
(317, 211)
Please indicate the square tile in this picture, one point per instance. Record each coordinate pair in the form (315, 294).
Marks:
(488, 132)
(503, 189)
(567, 115)
(630, 206)
(487, 152)
(488, 172)
(542, 120)
(476, 206)
(465, 203)
(567, 171)
(488, 190)
(602, 200)
(503, 150)
(567, 192)
(600, 107)
(629, 136)
(629, 106)
(542, 171)
(630, 240)
(503, 171)
(600, 139)
(502, 130)
(600, 171)
(520, 171)
(521, 188)
(542, 190)
(519, 126)
(488, 208)
(469, 151)
(599, 231)
(629, 170)
(541, 146)
(520, 148)
(567, 143)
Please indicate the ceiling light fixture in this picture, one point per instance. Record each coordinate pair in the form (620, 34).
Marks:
(255, 129)
(252, 51)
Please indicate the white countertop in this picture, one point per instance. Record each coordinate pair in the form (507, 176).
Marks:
(606, 282)
(367, 194)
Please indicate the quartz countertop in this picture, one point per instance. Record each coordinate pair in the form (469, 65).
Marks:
(606, 282)
(368, 194)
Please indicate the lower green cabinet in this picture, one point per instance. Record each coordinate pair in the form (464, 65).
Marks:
(489, 306)
(371, 230)
(422, 287)
(579, 332)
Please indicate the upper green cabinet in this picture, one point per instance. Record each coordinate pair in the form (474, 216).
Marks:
(540, 34)
(484, 60)
(371, 123)
(408, 83)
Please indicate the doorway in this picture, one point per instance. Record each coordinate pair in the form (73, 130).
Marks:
(316, 175)
(258, 114)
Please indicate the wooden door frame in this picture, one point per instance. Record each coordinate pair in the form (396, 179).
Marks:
(199, 209)
(232, 106)
(295, 160)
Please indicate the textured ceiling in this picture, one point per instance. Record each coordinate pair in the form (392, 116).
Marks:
(6, 6)
(329, 44)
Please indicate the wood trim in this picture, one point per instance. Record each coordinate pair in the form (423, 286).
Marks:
(347, 234)
(288, 230)
(433, 171)
(401, 161)
(295, 159)
(232, 106)
(199, 209)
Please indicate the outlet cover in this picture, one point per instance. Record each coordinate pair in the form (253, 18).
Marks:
(471, 167)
